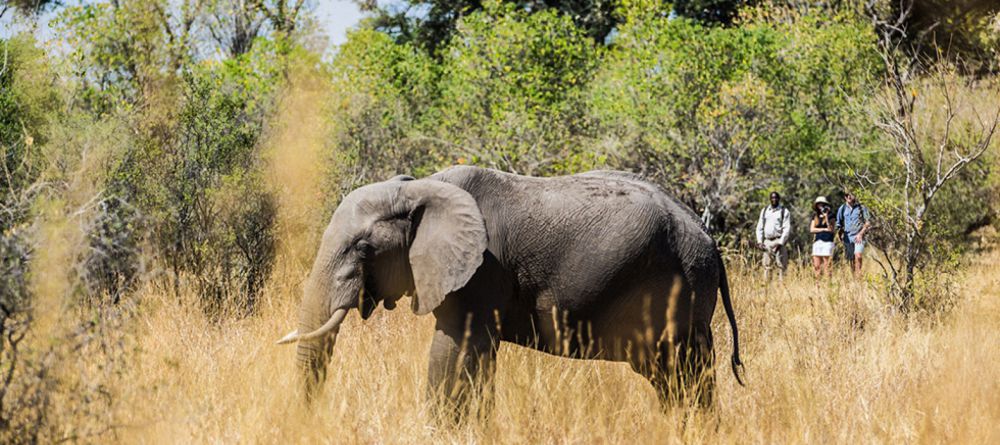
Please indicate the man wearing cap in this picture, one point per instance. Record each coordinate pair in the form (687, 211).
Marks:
(773, 228)
(853, 221)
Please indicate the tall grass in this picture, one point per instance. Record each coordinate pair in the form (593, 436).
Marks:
(832, 365)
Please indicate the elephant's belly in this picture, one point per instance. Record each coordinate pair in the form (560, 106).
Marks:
(625, 327)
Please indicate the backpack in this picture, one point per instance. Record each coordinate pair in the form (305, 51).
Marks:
(781, 216)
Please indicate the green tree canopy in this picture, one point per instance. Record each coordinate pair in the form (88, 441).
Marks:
(431, 23)
(710, 11)
(27, 7)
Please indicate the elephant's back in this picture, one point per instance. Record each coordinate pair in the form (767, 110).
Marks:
(588, 196)
(606, 211)
(578, 233)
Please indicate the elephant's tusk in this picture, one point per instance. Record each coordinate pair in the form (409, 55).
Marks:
(292, 336)
(331, 326)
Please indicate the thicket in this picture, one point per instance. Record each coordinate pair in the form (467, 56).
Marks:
(134, 154)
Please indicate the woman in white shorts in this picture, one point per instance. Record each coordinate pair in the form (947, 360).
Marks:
(822, 229)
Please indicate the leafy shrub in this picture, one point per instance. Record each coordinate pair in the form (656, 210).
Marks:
(45, 396)
(214, 217)
(725, 115)
(114, 261)
(512, 92)
(382, 91)
(26, 97)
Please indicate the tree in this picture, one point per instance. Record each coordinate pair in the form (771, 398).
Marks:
(27, 7)
(283, 15)
(384, 91)
(721, 116)
(721, 12)
(430, 24)
(956, 30)
(126, 52)
(935, 127)
(234, 24)
(730, 131)
(511, 91)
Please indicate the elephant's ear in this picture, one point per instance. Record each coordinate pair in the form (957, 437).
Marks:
(449, 240)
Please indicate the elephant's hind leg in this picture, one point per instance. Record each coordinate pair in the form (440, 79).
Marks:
(697, 371)
(681, 371)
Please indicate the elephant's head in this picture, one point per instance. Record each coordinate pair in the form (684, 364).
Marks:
(425, 238)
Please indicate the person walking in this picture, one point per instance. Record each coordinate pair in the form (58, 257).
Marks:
(853, 222)
(822, 229)
(773, 228)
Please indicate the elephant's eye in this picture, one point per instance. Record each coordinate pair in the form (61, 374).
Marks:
(365, 249)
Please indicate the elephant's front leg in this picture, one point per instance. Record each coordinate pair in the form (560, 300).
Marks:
(461, 366)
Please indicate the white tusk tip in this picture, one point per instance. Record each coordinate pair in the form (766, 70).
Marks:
(290, 338)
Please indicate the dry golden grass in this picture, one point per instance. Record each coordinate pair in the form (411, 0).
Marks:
(830, 367)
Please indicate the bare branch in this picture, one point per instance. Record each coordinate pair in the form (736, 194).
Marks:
(964, 160)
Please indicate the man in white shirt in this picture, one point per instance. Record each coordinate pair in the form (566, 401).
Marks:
(773, 228)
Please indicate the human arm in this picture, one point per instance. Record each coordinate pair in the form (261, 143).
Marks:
(760, 228)
(786, 228)
(839, 230)
(825, 218)
(864, 228)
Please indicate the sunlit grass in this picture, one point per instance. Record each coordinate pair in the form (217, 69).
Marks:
(822, 366)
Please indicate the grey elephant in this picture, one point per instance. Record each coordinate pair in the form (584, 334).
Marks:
(600, 265)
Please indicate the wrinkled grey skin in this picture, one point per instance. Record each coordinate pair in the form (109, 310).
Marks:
(601, 265)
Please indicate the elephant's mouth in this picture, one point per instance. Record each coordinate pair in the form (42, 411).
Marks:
(390, 302)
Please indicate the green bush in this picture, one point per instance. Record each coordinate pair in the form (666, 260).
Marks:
(212, 216)
(27, 98)
(382, 91)
(512, 92)
(725, 115)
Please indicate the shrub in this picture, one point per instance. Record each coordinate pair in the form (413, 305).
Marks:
(723, 116)
(512, 92)
(212, 216)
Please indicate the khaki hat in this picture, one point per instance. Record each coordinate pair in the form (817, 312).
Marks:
(820, 200)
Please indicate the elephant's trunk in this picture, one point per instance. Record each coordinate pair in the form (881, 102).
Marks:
(314, 349)
(312, 358)
(318, 328)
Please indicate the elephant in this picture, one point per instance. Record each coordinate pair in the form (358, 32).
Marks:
(601, 265)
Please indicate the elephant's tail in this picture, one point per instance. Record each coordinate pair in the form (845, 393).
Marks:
(727, 303)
